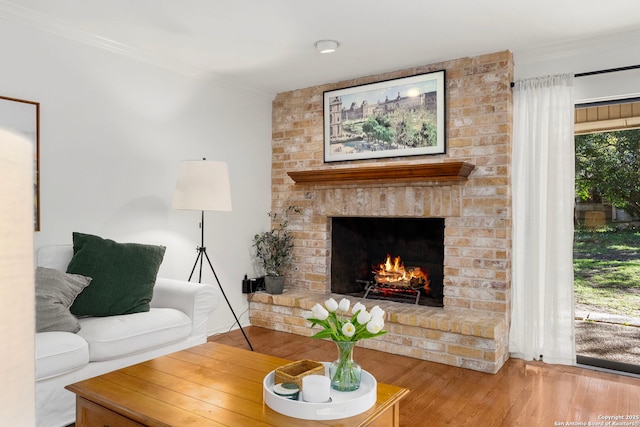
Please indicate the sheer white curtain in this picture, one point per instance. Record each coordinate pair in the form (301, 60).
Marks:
(542, 308)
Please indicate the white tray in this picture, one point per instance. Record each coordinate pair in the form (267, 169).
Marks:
(343, 403)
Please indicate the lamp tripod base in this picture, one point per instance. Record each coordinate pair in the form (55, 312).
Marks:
(202, 254)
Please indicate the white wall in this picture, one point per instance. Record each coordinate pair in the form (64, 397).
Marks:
(113, 131)
(598, 53)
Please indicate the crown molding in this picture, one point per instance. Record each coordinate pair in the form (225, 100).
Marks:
(592, 45)
(43, 22)
(13, 12)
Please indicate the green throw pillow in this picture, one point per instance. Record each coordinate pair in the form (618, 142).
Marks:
(123, 275)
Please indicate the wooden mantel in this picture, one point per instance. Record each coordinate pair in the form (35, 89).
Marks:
(432, 172)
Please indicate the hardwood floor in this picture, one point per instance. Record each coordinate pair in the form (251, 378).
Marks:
(521, 394)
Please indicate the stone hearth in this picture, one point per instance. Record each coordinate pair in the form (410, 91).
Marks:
(451, 336)
(471, 330)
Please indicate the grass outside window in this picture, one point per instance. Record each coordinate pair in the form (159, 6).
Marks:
(607, 270)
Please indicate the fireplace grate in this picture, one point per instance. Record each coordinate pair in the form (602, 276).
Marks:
(392, 293)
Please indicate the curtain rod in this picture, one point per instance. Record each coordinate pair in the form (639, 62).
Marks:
(609, 70)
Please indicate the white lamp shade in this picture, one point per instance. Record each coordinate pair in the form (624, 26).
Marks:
(202, 185)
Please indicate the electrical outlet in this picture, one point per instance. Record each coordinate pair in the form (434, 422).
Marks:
(252, 285)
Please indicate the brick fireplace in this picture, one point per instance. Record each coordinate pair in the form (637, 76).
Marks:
(470, 330)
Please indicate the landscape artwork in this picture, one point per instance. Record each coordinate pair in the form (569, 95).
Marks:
(393, 118)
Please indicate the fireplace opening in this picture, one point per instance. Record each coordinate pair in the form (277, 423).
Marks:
(398, 259)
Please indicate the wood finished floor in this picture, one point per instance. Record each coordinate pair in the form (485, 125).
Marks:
(521, 394)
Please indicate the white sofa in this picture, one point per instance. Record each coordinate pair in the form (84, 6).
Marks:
(177, 320)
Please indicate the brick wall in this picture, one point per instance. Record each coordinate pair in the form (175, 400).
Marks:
(477, 215)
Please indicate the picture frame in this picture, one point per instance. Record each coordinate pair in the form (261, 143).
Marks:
(391, 118)
(23, 117)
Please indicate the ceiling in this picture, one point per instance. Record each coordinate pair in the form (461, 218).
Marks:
(268, 45)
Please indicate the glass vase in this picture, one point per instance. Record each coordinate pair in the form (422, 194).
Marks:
(345, 373)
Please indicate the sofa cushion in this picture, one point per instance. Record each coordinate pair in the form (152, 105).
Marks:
(55, 256)
(123, 275)
(117, 336)
(55, 292)
(58, 353)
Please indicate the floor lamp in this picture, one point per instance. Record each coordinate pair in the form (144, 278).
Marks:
(204, 186)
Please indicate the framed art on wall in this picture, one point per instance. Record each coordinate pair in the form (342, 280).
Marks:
(392, 118)
(23, 117)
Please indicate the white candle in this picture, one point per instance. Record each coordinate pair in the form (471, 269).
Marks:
(316, 388)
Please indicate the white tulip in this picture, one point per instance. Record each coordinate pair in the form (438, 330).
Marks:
(348, 329)
(343, 307)
(377, 313)
(375, 325)
(363, 317)
(319, 312)
(331, 305)
(358, 307)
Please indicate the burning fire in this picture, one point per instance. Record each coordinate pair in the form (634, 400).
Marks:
(393, 272)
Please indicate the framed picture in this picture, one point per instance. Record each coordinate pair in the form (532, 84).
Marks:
(23, 117)
(393, 118)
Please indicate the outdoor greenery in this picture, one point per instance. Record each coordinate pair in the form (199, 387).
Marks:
(607, 270)
(608, 166)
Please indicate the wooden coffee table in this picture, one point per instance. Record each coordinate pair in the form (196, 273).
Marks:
(208, 385)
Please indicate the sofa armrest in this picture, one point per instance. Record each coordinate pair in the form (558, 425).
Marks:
(196, 300)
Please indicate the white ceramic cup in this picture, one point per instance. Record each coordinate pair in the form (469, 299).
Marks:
(316, 388)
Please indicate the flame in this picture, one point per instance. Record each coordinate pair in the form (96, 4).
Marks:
(393, 271)
(396, 267)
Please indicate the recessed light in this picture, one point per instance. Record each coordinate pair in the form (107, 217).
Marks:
(326, 46)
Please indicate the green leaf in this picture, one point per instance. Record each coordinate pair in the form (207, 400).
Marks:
(325, 333)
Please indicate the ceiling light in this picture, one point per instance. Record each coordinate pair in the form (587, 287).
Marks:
(326, 46)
